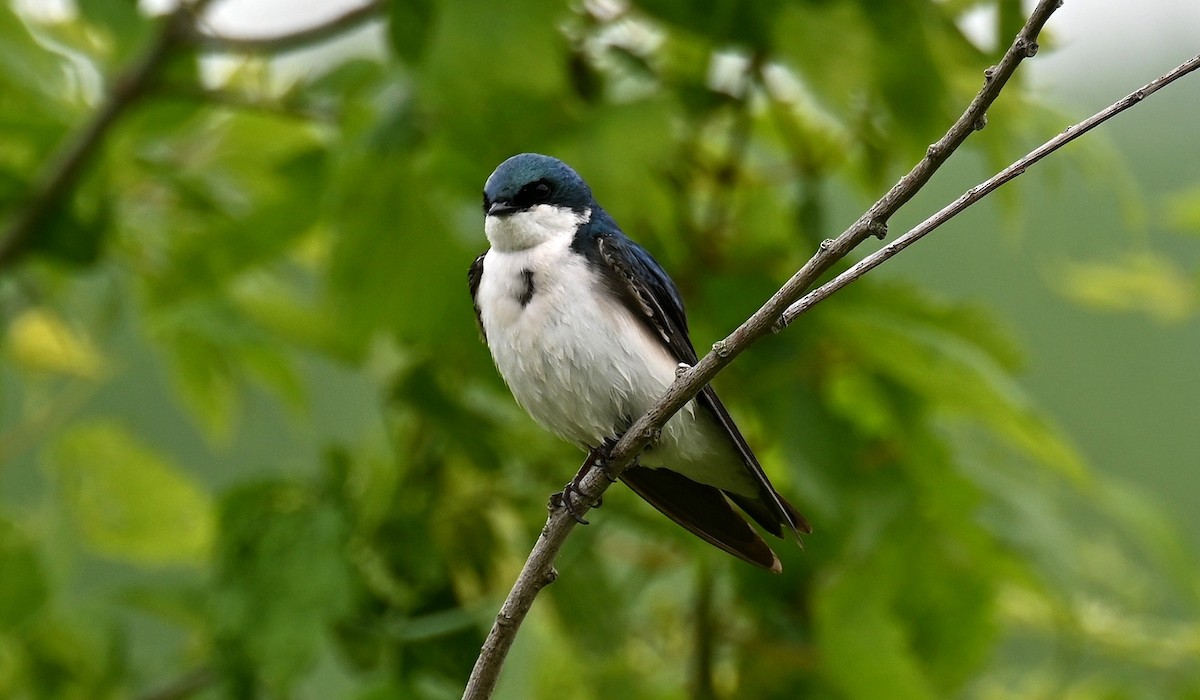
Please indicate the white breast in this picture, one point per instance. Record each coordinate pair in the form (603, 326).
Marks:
(577, 361)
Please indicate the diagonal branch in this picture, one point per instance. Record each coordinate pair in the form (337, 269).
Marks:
(282, 43)
(980, 191)
(66, 166)
(539, 567)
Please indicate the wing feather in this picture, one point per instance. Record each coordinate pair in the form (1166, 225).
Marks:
(474, 276)
(652, 297)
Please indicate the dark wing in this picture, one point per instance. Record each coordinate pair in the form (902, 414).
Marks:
(652, 297)
(647, 292)
(703, 511)
(474, 275)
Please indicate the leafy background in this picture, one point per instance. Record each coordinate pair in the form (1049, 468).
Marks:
(251, 446)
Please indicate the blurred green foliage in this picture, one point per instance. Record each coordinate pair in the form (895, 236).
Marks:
(251, 446)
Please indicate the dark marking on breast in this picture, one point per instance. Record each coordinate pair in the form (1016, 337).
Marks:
(527, 293)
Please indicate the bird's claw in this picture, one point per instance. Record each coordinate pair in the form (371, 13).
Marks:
(564, 499)
(573, 492)
(681, 368)
(600, 458)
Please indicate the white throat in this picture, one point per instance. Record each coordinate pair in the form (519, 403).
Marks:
(532, 227)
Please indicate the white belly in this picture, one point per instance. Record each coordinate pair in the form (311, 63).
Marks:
(583, 366)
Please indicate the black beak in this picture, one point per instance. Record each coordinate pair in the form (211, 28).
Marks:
(500, 208)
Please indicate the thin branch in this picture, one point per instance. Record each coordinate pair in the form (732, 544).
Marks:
(282, 43)
(539, 567)
(980, 191)
(66, 166)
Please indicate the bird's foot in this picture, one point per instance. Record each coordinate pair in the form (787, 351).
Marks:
(681, 368)
(573, 492)
(600, 458)
(569, 498)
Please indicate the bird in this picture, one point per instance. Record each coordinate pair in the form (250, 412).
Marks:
(588, 331)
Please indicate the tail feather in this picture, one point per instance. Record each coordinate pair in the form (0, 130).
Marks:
(704, 511)
(770, 518)
(768, 509)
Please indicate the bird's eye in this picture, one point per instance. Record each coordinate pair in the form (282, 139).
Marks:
(533, 193)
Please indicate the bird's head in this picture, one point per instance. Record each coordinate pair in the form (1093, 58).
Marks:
(531, 198)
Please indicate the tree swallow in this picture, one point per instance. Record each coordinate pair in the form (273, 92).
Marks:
(587, 331)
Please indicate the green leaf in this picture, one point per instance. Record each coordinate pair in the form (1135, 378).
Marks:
(74, 231)
(40, 339)
(214, 350)
(475, 63)
(1183, 210)
(282, 578)
(70, 657)
(827, 47)
(128, 501)
(906, 73)
(855, 397)
(200, 339)
(1139, 282)
(120, 20)
(23, 587)
(864, 645)
(719, 21)
(935, 356)
(27, 64)
(408, 279)
(409, 27)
